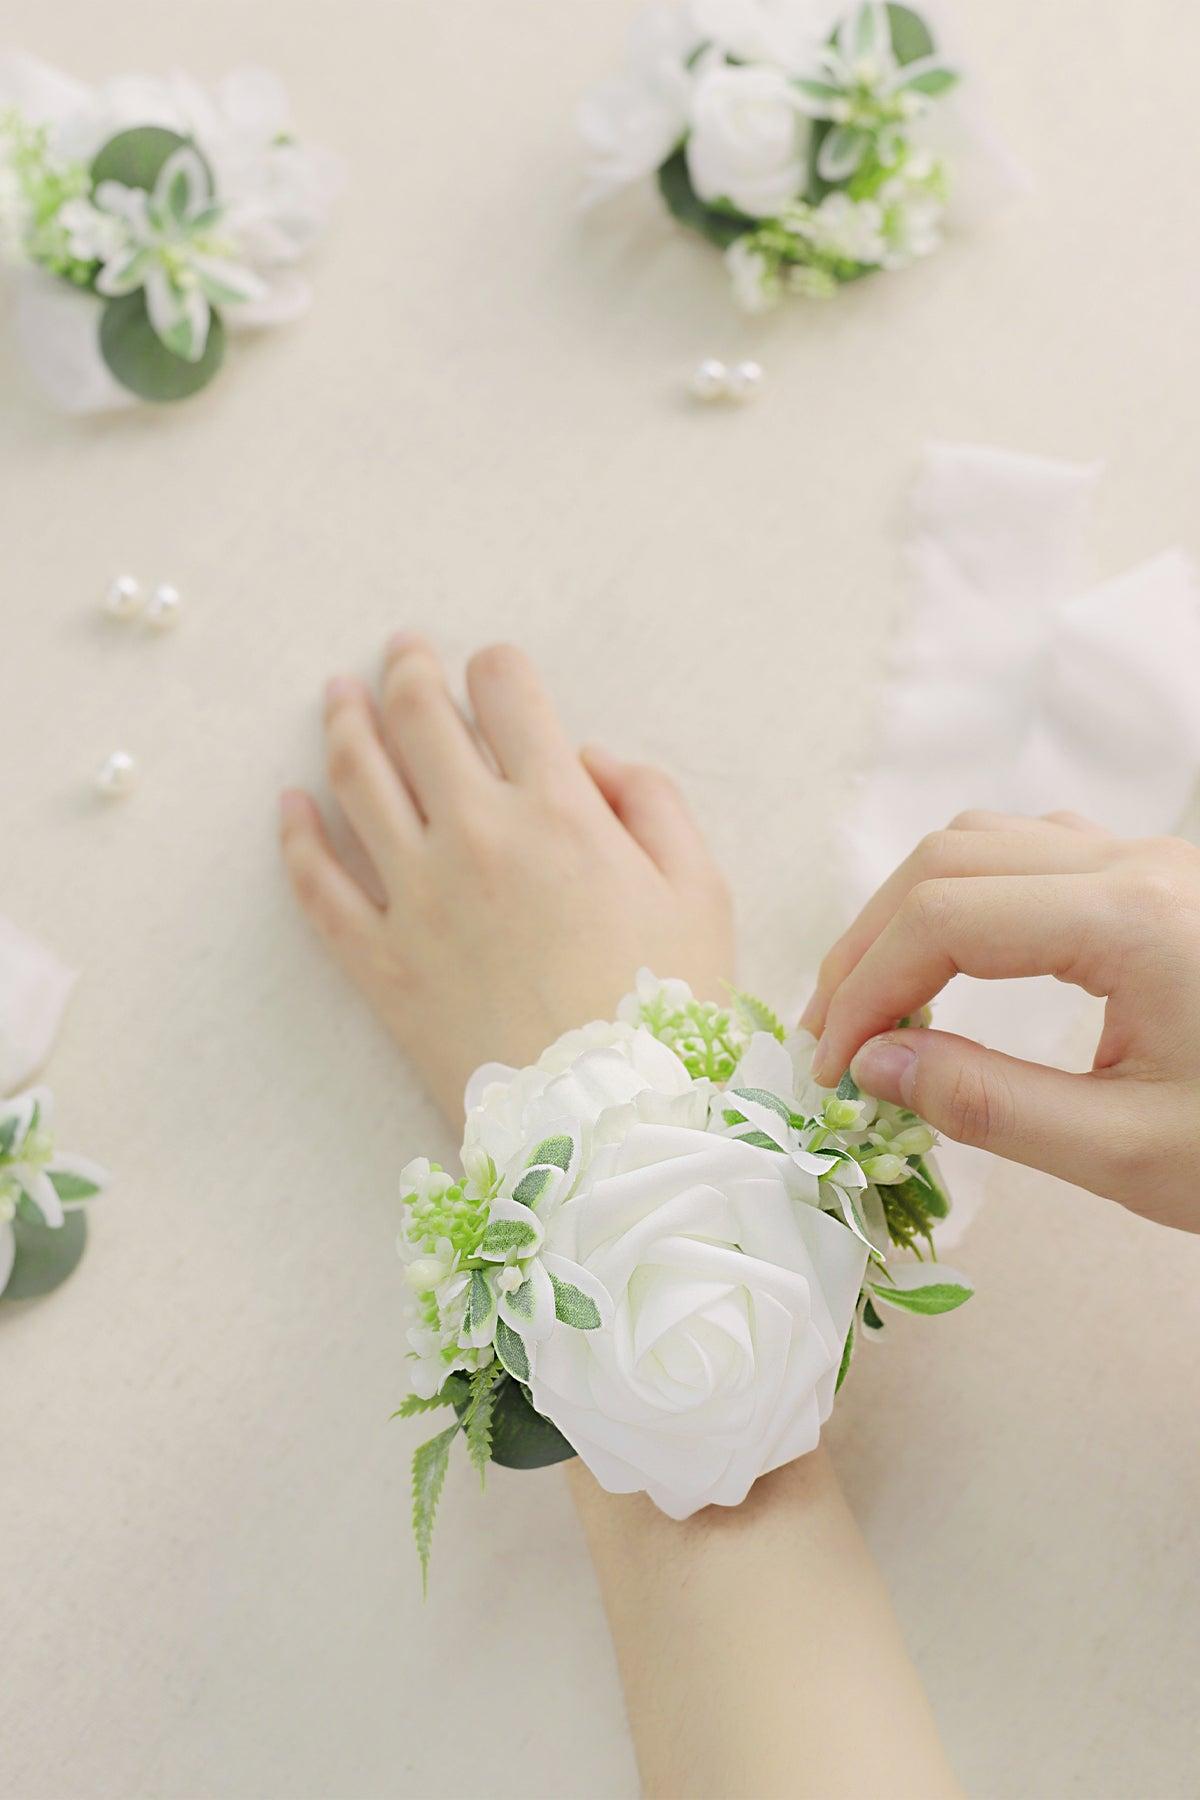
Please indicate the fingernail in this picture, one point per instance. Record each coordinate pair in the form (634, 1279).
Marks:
(886, 1069)
(340, 688)
(810, 1018)
(818, 1064)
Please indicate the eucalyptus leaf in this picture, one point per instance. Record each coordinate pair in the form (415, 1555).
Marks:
(763, 1098)
(135, 157)
(720, 226)
(911, 36)
(503, 1235)
(556, 1150)
(69, 1186)
(45, 1257)
(481, 1303)
(532, 1186)
(140, 360)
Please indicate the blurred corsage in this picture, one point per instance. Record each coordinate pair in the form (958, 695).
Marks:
(146, 217)
(41, 1190)
(796, 135)
(662, 1248)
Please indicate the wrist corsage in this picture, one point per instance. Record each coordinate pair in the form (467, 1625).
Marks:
(794, 136)
(146, 218)
(660, 1253)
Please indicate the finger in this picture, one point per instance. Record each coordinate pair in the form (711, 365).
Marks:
(960, 851)
(652, 810)
(329, 897)
(1064, 1124)
(517, 719)
(424, 729)
(368, 786)
(994, 927)
(1074, 821)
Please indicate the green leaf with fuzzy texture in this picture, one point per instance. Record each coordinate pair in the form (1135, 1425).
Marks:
(428, 1479)
(69, 1186)
(532, 1186)
(481, 1303)
(848, 1088)
(911, 37)
(8, 1133)
(754, 1014)
(504, 1235)
(762, 1098)
(573, 1307)
(556, 1150)
(511, 1351)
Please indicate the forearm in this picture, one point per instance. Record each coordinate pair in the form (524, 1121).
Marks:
(758, 1650)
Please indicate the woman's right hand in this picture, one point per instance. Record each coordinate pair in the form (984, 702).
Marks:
(998, 895)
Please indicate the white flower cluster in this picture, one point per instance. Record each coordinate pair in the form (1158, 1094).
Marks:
(667, 1237)
(785, 130)
(189, 207)
(39, 1183)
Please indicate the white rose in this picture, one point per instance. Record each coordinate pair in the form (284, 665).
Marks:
(732, 1297)
(594, 1080)
(749, 140)
(632, 122)
(786, 32)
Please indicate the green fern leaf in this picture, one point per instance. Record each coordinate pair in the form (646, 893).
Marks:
(428, 1479)
(754, 1014)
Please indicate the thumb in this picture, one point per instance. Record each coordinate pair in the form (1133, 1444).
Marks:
(1077, 1127)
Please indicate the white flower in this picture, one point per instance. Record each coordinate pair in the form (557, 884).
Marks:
(913, 211)
(35, 1179)
(784, 32)
(172, 246)
(92, 234)
(757, 282)
(731, 1300)
(749, 140)
(850, 230)
(632, 122)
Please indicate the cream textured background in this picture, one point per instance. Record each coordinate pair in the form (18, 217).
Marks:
(208, 1587)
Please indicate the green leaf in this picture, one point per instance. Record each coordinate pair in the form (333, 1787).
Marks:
(755, 1015)
(428, 1479)
(511, 1351)
(932, 81)
(521, 1437)
(847, 1356)
(45, 1257)
(763, 1098)
(521, 1300)
(477, 1417)
(412, 1404)
(555, 1150)
(532, 1186)
(135, 157)
(72, 1187)
(481, 1303)
(932, 1297)
(911, 36)
(8, 1133)
(720, 227)
(848, 1088)
(140, 360)
(871, 1318)
(503, 1235)
(574, 1307)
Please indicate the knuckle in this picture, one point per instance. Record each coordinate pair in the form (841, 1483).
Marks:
(928, 906)
(937, 849)
(979, 1107)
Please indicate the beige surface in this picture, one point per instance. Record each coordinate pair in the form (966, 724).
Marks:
(208, 1588)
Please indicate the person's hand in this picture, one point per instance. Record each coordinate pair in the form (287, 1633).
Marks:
(998, 895)
(519, 885)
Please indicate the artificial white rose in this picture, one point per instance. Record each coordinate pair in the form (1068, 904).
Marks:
(632, 122)
(749, 139)
(732, 1296)
(785, 32)
(601, 1069)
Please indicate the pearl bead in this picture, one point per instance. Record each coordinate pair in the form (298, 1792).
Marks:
(116, 775)
(123, 599)
(709, 379)
(163, 607)
(745, 380)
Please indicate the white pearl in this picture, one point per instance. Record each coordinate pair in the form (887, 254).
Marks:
(709, 379)
(117, 775)
(123, 598)
(745, 380)
(163, 606)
